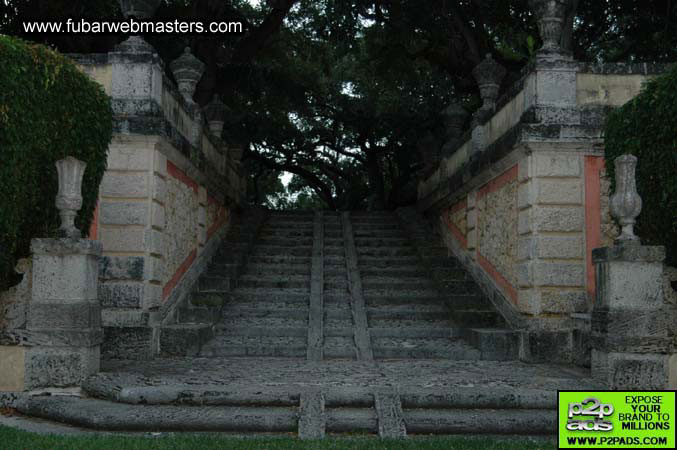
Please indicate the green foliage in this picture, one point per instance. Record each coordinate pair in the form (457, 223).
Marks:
(647, 128)
(48, 110)
(17, 439)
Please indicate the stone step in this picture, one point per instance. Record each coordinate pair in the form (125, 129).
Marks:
(423, 348)
(275, 281)
(374, 241)
(472, 318)
(279, 259)
(497, 344)
(371, 282)
(189, 314)
(422, 310)
(414, 331)
(376, 233)
(289, 346)
(253, 296)
(183, 339)
(412, 294)
(284, 242)
(339, 347)
(265, 308)
(110, 416)
(400, 323)
(384, 252)
(263, 269)
(276, 250)
(403, 299)
(279, 233)
(373, 262)
(267, 328)
(481, 421)
(209, 283)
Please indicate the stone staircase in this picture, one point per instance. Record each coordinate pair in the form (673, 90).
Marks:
(316, 323)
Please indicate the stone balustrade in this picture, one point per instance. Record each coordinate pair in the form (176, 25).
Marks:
(166, 198)
(524, 198)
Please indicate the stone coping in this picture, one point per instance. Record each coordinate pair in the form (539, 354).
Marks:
(629, 252)
(295, 373)
(147, 117)
(65, 246)
(590, 115)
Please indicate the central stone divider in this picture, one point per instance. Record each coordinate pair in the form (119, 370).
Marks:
(359, 310)
(316, 306)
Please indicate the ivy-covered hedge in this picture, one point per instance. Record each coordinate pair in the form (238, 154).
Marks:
(49, 110)
(647, 128)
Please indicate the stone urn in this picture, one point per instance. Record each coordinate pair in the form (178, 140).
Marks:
(69, 198)
(187, 70)
(455, 117)
(215, 112)
(625, 204)
(488, 74)
(550, 16)
(138, 9)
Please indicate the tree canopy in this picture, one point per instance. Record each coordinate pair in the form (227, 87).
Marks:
(339, 92)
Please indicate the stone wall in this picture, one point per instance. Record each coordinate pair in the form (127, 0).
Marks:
(524, 200)
(165, 200)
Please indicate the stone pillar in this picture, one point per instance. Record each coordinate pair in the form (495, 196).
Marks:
(630, 341)
(64, 320)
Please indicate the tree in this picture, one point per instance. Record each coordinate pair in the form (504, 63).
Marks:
(339, 93)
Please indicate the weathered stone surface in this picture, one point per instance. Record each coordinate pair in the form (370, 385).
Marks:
(126, 185)
(121, 268)
(60, 367)
(312, 420)
(390, 417)
(14, 301)
(128, 343)
(70, 315)
(121, 295)
(12, 368)
(124, 213)
(634, 372)
(556, 165)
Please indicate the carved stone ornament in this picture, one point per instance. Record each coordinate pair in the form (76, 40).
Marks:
(140, 9)
(187, 70)
(215, 113)
(455, 117)
(550, 16)
(69, 197)
(626, 203)
(489, 75)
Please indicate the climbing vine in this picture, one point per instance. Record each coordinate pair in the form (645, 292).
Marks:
(647, 128)
(49, 109)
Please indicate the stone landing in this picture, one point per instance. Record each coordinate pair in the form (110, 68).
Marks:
(312, 398)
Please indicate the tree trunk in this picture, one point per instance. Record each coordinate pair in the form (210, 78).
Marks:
(375, 181)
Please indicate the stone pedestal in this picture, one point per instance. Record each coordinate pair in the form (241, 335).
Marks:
(630, 340)
(64, 319)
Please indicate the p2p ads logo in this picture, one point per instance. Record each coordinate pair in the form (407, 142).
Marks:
(616, 419)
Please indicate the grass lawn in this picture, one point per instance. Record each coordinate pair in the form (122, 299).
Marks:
(22, 440)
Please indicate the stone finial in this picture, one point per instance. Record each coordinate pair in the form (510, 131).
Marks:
(69, 197)
(140, 9)
(455, 117)
(215, 113)
(236, 154)
(550, 15)
(489, 75)
(187, 70)
(429, 150)
(625, 204)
